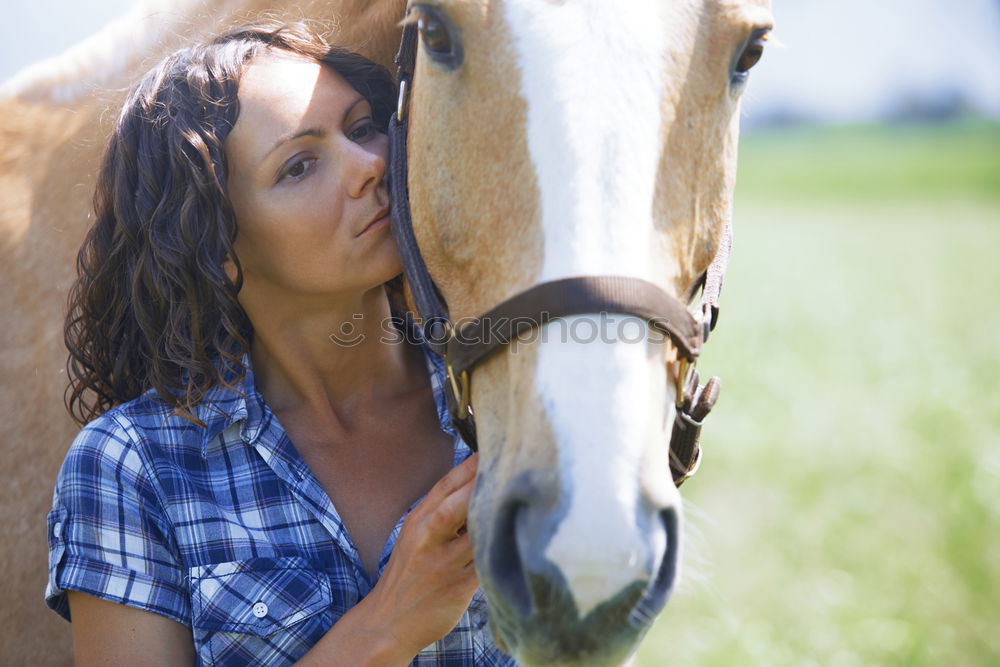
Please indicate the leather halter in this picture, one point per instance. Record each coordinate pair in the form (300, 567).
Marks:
(465, 347)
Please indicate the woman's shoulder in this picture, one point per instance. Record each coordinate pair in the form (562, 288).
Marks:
(148, 425)
(130, 420)
(115, 443)
(121, 425)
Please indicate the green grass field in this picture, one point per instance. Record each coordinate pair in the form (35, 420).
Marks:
(847, 511)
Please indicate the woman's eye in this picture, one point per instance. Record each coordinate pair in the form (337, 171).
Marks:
(298, 169)
(363, 131)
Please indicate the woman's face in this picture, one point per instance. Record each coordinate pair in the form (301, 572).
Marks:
(306, 164)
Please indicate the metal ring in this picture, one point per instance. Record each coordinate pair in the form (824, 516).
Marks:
(688, 419)
(401, 101)
(691, 471)
(685, 417)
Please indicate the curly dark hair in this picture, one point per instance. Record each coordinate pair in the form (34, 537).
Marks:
(152, 306)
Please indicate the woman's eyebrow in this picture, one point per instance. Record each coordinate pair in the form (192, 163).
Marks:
(318, 132)
(308, 132)
(350, 108)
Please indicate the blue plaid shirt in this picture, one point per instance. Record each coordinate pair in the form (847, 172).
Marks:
(224, 529)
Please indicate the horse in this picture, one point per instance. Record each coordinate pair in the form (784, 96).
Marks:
(552, 139)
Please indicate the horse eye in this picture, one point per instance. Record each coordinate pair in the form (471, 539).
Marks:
(752, 52)
(435, 34)
(441, 40)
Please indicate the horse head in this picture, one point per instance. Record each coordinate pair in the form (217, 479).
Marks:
(555, 139)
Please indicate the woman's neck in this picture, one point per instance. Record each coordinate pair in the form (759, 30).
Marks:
(332, 359)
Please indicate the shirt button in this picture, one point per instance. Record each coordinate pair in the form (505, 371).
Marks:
(260, 610)
(57, 530)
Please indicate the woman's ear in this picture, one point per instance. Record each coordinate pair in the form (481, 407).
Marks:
(229, 266)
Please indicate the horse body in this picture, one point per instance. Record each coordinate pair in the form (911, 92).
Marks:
(55, 123)
(576, 137)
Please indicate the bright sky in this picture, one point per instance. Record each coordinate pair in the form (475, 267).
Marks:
(843, 59)
(852, 59)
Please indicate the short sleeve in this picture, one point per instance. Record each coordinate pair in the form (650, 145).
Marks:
(108, 534)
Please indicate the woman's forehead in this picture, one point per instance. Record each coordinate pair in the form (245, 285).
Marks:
(282, 79)
(281, 93)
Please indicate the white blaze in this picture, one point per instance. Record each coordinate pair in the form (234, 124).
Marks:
(592, 75)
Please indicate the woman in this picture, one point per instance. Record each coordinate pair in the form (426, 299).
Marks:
(231, 302)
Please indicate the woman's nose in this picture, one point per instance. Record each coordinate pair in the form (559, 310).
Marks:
(368, 164)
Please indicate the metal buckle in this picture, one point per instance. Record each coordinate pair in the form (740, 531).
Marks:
(461, 394)
(686, 367)
(460, 383)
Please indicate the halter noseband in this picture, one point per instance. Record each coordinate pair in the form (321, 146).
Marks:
(464, 348)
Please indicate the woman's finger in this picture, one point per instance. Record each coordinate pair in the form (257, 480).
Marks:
(458, 552)
(469, 577)
(454, 480)
(452, 512)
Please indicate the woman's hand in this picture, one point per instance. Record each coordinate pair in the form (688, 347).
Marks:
(424, 590)
(430, 578)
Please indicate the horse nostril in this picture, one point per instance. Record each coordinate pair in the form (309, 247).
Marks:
(506, 567)
(661, 587)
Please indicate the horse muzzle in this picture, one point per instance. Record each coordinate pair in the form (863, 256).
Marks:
(573, 595)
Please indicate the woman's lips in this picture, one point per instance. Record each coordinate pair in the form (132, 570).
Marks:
(377, 223)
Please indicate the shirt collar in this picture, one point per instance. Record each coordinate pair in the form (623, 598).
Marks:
(223, 408)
